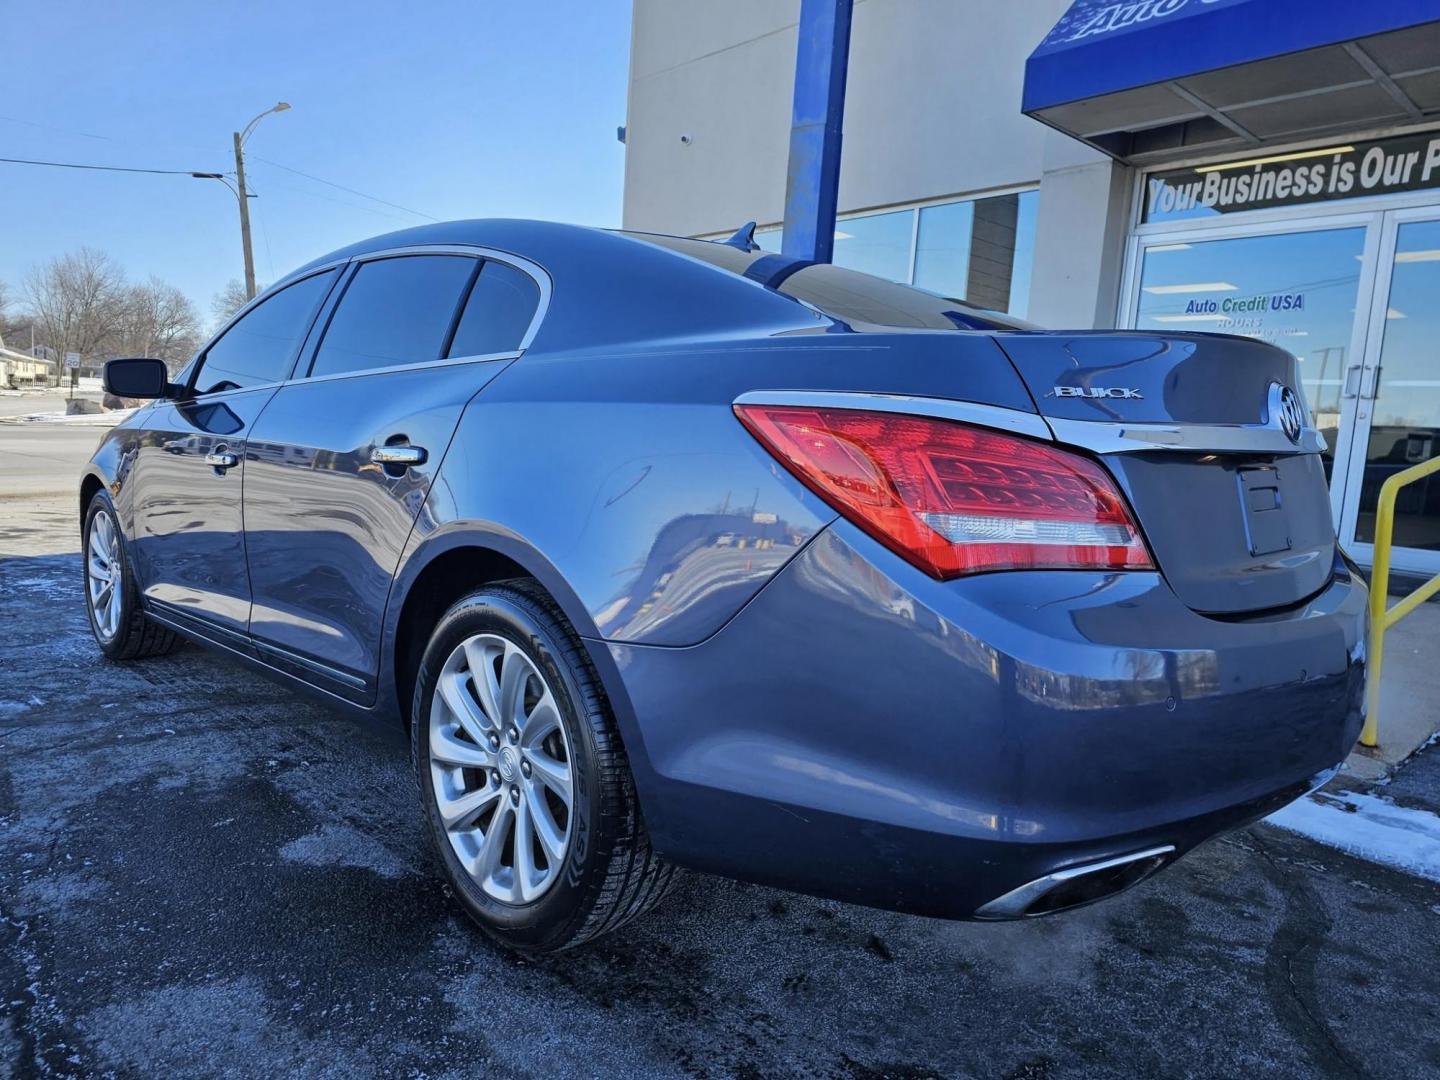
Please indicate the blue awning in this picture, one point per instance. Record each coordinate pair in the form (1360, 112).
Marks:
(1147, 79)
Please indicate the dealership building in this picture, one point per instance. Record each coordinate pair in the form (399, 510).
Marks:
(1268, 168)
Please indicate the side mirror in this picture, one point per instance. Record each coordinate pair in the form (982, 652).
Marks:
(137, 377)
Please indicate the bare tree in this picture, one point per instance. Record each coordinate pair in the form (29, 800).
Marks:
(229, 300)
(77, 301)
(156, 320)
(14, 323)
(82, 303)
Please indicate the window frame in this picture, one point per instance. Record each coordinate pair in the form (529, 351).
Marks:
(310, 350)
(304, 357)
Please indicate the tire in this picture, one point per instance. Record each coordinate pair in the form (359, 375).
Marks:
(124, 631)
(606, 872)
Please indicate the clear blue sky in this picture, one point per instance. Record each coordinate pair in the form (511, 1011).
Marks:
(455, 108)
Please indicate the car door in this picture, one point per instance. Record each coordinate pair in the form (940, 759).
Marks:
(341, 461)
(185, 481)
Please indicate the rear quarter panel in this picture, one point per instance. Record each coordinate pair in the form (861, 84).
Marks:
(629, 474)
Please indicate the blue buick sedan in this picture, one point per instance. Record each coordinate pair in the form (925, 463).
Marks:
(675, 553)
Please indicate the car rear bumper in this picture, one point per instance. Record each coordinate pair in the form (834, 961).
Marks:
(864, 732)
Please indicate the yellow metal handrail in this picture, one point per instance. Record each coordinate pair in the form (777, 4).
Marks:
(1381, 618)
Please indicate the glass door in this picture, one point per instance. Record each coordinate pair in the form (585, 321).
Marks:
(1395, 393)
(1304, 288)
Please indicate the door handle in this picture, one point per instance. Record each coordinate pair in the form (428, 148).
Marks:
(1352, 381)
(399, 456)
(1371, 388)
(222, 460)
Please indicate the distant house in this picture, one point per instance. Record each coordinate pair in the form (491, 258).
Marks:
(18, 369)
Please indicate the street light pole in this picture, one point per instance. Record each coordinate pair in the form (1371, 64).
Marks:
(244, 219)
(244, 195)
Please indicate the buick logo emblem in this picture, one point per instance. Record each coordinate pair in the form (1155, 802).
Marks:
(1286, 403)
(507, 764)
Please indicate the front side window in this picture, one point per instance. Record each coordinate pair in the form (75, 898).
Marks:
(500, 309)
(394, 311)
(261, 346)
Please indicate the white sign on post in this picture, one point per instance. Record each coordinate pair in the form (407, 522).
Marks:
(72, 359)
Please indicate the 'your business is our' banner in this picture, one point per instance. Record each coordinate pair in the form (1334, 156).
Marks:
(1378, 167)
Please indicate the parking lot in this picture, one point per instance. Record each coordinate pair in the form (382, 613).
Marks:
(201, 873)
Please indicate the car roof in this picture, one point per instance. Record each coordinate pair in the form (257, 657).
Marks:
(610, 287)
(607, 287)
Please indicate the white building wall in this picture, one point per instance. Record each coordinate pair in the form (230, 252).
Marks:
(932, 111)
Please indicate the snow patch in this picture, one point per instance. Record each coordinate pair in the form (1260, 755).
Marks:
(1368, 827)
(340, 845)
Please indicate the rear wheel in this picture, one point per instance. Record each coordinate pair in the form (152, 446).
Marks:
(523, 779)
(112, 597)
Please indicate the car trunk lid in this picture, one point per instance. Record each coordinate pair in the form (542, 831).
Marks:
(1234, 507)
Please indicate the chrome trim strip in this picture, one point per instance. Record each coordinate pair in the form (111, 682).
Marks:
(390, 369)
(1031, 425)
(1012, 905)
(444, 361)
(1119, 437)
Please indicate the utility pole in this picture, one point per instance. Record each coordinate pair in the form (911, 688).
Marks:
(244, 219)
(242, 193)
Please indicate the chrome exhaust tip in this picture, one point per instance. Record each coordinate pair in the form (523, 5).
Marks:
(1077, 885)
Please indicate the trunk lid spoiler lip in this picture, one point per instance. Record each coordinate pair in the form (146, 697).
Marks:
(1098, 436)
(1121, 436)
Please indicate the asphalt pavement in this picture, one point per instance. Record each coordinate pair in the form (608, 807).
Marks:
(202, 874)
(38, 459)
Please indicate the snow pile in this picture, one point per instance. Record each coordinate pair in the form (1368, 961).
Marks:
(1370, 828)
(105, 419)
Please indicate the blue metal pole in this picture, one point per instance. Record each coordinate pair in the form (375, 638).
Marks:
(812, 179)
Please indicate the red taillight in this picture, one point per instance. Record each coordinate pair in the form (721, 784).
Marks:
(950, 498)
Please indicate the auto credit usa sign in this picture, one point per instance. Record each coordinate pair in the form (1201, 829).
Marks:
(1098, 18)
(1344, 171)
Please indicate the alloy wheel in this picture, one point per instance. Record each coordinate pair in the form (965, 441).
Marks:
(500, 765)
(103, 574)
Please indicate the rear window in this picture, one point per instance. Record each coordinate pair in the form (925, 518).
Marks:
(862, 301)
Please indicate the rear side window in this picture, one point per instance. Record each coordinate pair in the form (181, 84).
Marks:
(261, 347)
(394, 311)
(500, 309)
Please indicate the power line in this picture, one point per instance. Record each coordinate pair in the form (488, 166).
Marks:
(342, 187)
(189, 172)
(61, 130)
(104, 168)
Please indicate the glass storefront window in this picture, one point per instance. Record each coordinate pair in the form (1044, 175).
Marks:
(1405, 420)
(1024, 253)
(978, 250)
(1297, 290)
(878, 244)
(942, 253)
